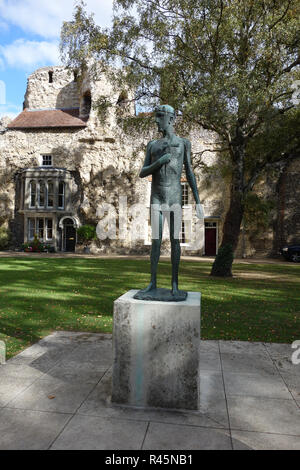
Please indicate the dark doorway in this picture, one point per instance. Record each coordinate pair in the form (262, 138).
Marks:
(69, 235)
(210, 238)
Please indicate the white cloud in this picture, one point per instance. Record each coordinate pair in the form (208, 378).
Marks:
(45, 17)
(9, 110)
(26, 55)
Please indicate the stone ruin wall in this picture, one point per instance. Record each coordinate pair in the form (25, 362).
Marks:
(288, 212)
(63, 92)
(105, 162)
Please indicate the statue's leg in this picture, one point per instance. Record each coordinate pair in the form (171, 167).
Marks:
(175, 251)
(155, 252)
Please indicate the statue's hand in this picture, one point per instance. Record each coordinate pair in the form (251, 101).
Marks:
(165, 158)
(199, 211)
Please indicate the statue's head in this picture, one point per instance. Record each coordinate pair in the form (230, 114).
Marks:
(164, 117)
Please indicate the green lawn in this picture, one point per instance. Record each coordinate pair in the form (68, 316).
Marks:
(37, 296)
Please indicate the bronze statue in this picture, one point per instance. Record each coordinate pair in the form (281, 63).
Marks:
(164, 161)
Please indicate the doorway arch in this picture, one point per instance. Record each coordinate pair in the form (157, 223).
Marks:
(68, 225)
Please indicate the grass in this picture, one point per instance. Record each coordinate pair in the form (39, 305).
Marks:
(39, 295)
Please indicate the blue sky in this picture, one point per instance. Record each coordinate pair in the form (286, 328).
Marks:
(29, 39)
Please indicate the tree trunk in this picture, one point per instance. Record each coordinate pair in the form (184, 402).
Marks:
(223, 263)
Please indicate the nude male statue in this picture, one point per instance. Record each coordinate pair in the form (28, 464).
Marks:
(164, 160)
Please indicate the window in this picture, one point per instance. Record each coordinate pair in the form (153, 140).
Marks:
(182, 236)
(123, 98)
(61, 195)
(40, 228)
(185, 194)
(49, 229)
(211, 224)
(86, 104)
(50, 77)
(31, 228)
(50, 195)
(46, 160)
(41, 194)
(32, 193)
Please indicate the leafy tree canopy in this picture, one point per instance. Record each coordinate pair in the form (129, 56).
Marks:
(227, 65)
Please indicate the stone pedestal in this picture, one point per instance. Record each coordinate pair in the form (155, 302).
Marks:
(156, 352)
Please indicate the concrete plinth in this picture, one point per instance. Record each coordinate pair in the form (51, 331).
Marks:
(156, 352)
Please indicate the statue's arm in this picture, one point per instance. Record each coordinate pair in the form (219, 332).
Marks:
(191, 178)
(148, 167)
(189, 170)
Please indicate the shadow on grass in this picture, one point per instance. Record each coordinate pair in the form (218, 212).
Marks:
(41, 295)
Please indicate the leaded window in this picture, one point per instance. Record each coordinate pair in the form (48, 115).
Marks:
(40, 228)
(31, 228)
(49, 229)
(61, 195)
(32, 193)
(185, 194)
(41, 194)
(46, 160)
(50, 195)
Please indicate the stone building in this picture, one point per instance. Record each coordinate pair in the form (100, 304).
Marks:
(61, 159)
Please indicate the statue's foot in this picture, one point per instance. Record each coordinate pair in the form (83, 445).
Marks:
(175, 290)
(151, 287)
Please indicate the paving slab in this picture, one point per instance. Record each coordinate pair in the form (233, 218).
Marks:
(271, 415)
(51, 394)
(21, 371)
(57, 394)
(243, 363)
(242, 347)
(81, 372)
(95, 433)
(29, 430)
(210, 355)
(173, 437)
(212, 397)
(256, 385)
(292, 381)
(243, 440)
(12, 386)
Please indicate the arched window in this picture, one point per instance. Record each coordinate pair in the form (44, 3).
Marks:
(41, 194)
(86, 104)
(50, 194)
(123, 98)
(32, 193)
(61, 195)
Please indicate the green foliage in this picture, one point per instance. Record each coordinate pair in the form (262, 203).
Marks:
(227, 65)
(36, 246)
(87, 233)
(5, 237)
(217, 62)
(257, 214)
(223, 262)
(102, 104)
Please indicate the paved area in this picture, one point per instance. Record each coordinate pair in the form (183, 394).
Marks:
(56, 395)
